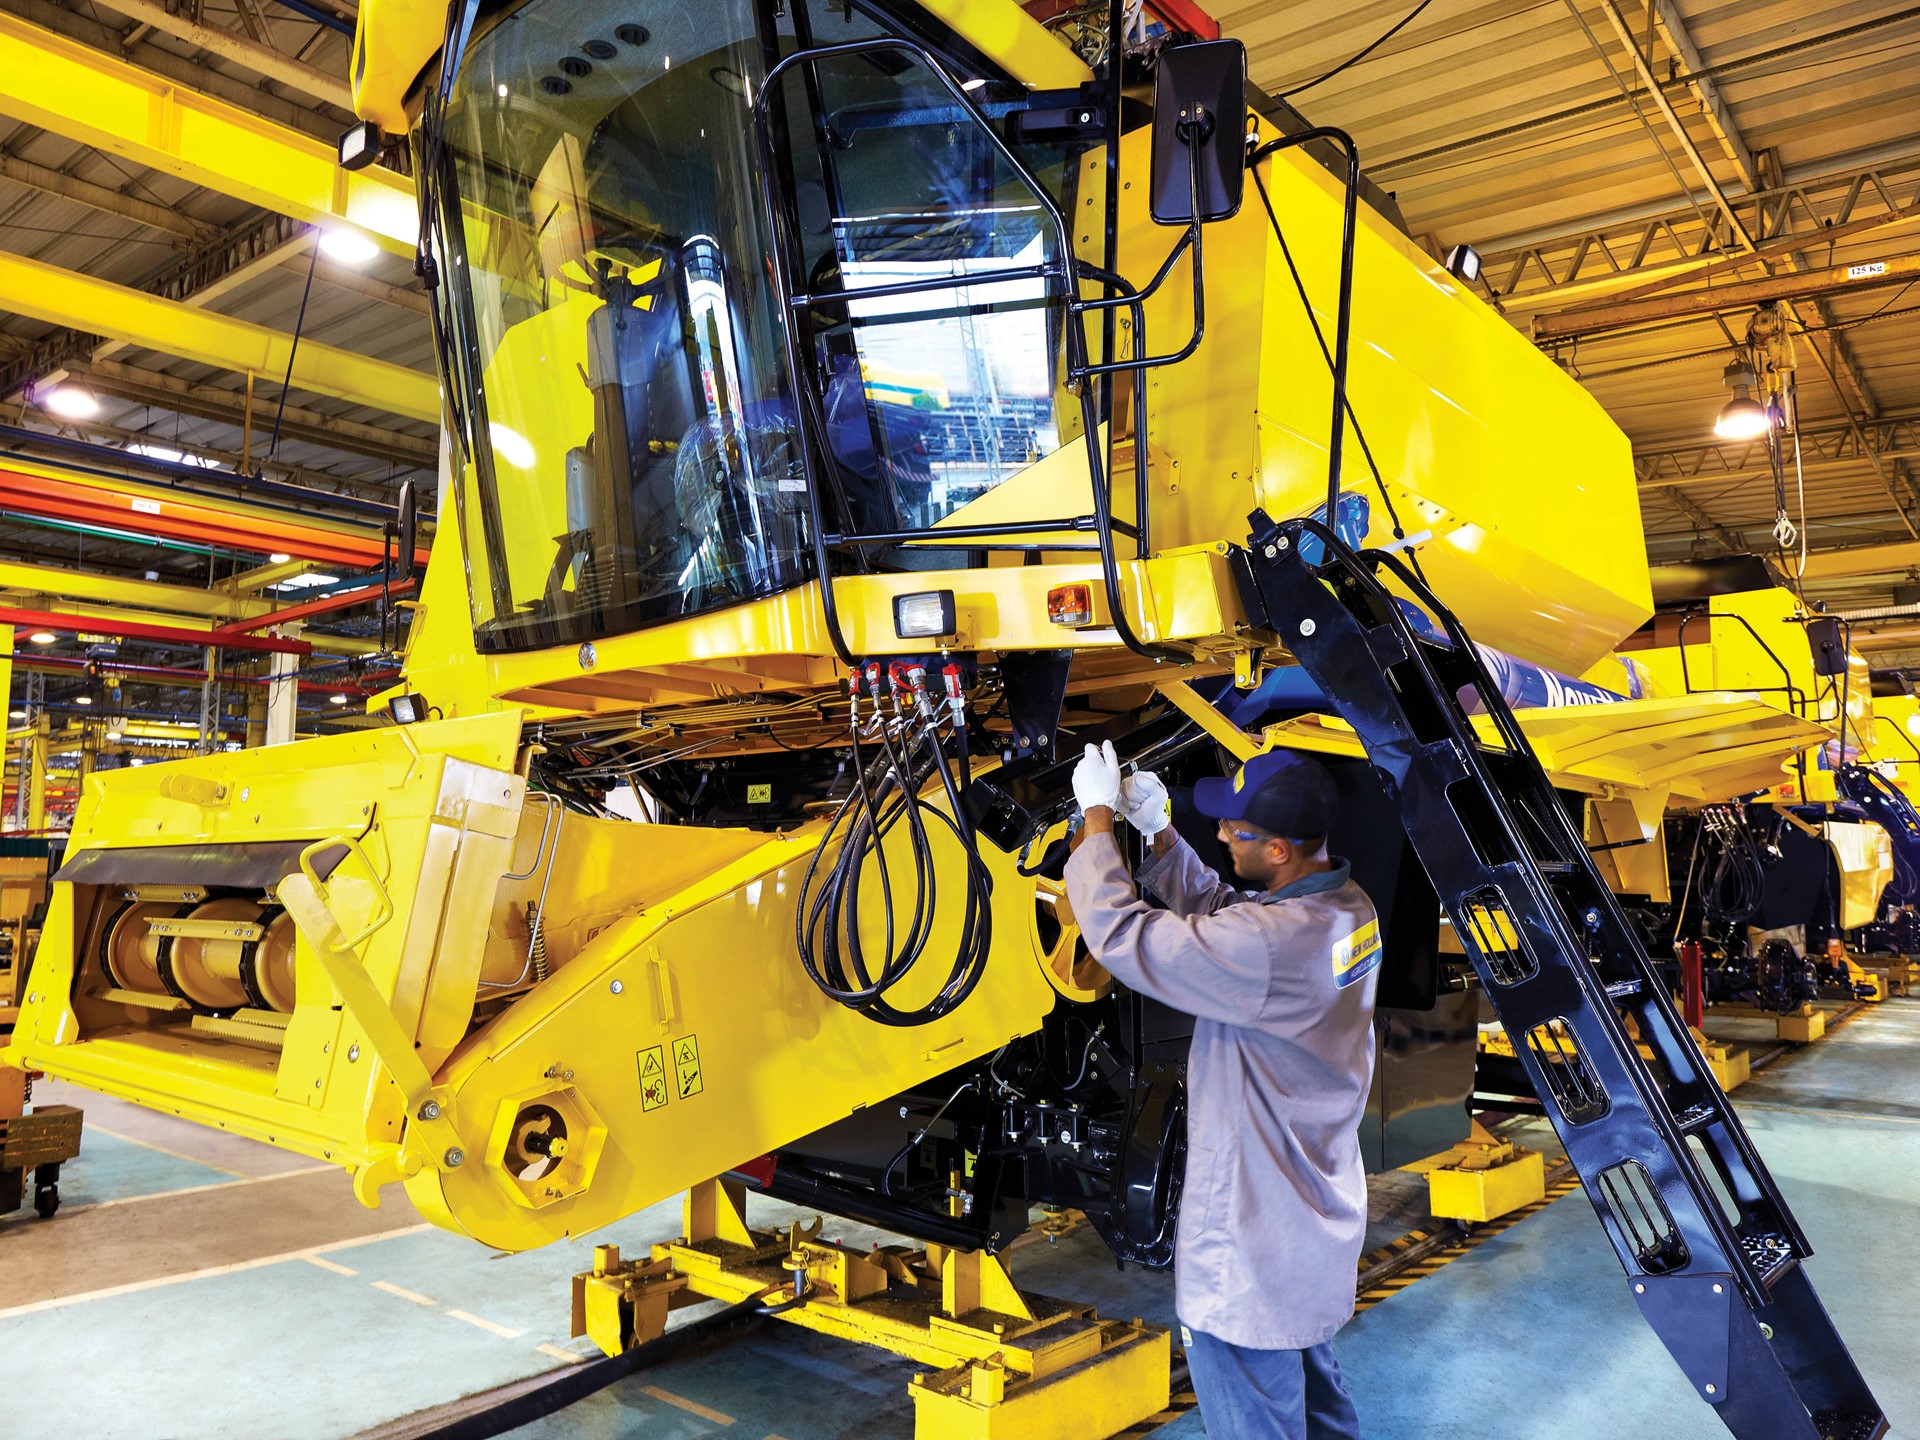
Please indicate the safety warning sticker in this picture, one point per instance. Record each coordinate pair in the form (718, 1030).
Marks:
(653, 1077)
(686, 1065)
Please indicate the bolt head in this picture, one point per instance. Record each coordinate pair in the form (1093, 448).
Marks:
(430, 1110)
(1284, 543)
(353, 1053)
(589, 657)
(1271, 551)
(1307, 627)
(616, 987)
(246, 793)
(455, 1157)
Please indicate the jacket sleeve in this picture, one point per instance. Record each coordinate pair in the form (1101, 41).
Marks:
(1184, 881)
(1216, 966)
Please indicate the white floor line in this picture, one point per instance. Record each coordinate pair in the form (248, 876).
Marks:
(489, 1326)
(393, 1289)
(60, 1302)
(326, 1264)
(93, 1129)
(71, 1209)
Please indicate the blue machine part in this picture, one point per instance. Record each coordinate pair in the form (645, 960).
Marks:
(1352, 516)
(1892, 812)
(1523, 685)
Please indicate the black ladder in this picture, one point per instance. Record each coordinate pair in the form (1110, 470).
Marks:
(1708, 1244)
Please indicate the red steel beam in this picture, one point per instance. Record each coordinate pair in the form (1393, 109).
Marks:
(134, 630)
(193, 518)
(325, 605)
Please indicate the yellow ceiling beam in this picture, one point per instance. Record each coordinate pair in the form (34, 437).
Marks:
(1861, 560)
(84, 94)
(61, 297)
(25, 579)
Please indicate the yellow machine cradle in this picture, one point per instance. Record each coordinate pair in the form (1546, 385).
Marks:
(1008, 1365)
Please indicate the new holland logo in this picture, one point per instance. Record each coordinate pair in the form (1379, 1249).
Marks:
(1357, 955)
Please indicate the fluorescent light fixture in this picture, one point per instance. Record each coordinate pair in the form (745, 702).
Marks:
(279, 557)
(923, 615)
(21, 715)
(349, 247)
(511, 446)
(83, 699)
(43, 637)
(501, 91)
(113, 735)
(71, 402)
(336, 700)
(309, 581)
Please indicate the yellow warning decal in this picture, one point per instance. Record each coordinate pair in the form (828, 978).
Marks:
(654, 1089)
(686, 1065)
(1357, 955)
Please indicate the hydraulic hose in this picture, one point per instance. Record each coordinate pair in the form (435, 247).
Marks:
(892, 783)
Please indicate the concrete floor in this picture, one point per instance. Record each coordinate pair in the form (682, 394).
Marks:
(218, 1288)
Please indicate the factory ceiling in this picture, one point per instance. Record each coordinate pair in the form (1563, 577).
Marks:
(1591, 151)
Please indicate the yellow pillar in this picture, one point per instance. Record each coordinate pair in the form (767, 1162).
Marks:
(37, 773)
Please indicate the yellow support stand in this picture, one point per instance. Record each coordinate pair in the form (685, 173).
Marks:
(1002, 1363)
(1801, 1027)
(1482, 1178)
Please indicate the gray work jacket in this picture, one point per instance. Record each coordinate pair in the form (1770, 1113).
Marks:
(1282, 984)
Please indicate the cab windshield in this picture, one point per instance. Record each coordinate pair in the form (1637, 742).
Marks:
(635, 453)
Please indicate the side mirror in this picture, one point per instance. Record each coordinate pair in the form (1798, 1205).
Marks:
(407, 524)
(1199, 113)
(1829, 646)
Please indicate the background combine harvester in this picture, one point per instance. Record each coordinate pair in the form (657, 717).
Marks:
(716, 630)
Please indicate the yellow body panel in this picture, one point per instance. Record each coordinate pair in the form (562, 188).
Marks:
(1864, 853)
(665, 941)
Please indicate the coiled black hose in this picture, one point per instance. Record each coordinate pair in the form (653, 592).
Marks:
(1732, 883)
(888, 793)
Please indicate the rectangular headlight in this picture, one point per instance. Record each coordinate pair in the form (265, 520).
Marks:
(360, 146)
(923, 614)
(407, 709)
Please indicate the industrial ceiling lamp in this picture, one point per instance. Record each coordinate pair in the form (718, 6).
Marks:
(1742, 417)
(70, 402)
(349, 247)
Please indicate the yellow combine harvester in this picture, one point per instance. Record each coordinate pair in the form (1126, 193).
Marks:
(719, 830)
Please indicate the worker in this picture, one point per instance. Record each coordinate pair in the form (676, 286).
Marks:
(1280, 979)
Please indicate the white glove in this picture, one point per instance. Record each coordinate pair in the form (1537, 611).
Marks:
(1143, 800)
(1096, 779)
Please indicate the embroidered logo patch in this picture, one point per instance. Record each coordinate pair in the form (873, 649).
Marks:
(1357, 955)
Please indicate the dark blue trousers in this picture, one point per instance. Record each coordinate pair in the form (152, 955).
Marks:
(1269, 1394)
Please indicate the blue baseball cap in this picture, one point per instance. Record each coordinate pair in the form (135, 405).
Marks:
(1282, 792)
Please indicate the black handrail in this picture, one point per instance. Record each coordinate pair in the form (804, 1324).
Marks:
(796, 303)
(1796, 697)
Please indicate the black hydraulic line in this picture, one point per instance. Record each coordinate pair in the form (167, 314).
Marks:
(1300, 288)
(1343, 315)
(578, 1382)
(293, 350)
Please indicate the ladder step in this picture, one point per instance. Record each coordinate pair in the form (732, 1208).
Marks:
(1696, 1118)
(1771, 1255)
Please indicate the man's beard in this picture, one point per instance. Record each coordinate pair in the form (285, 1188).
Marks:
(1240, 870)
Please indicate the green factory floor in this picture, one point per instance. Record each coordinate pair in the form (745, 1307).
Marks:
(214, 1288)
